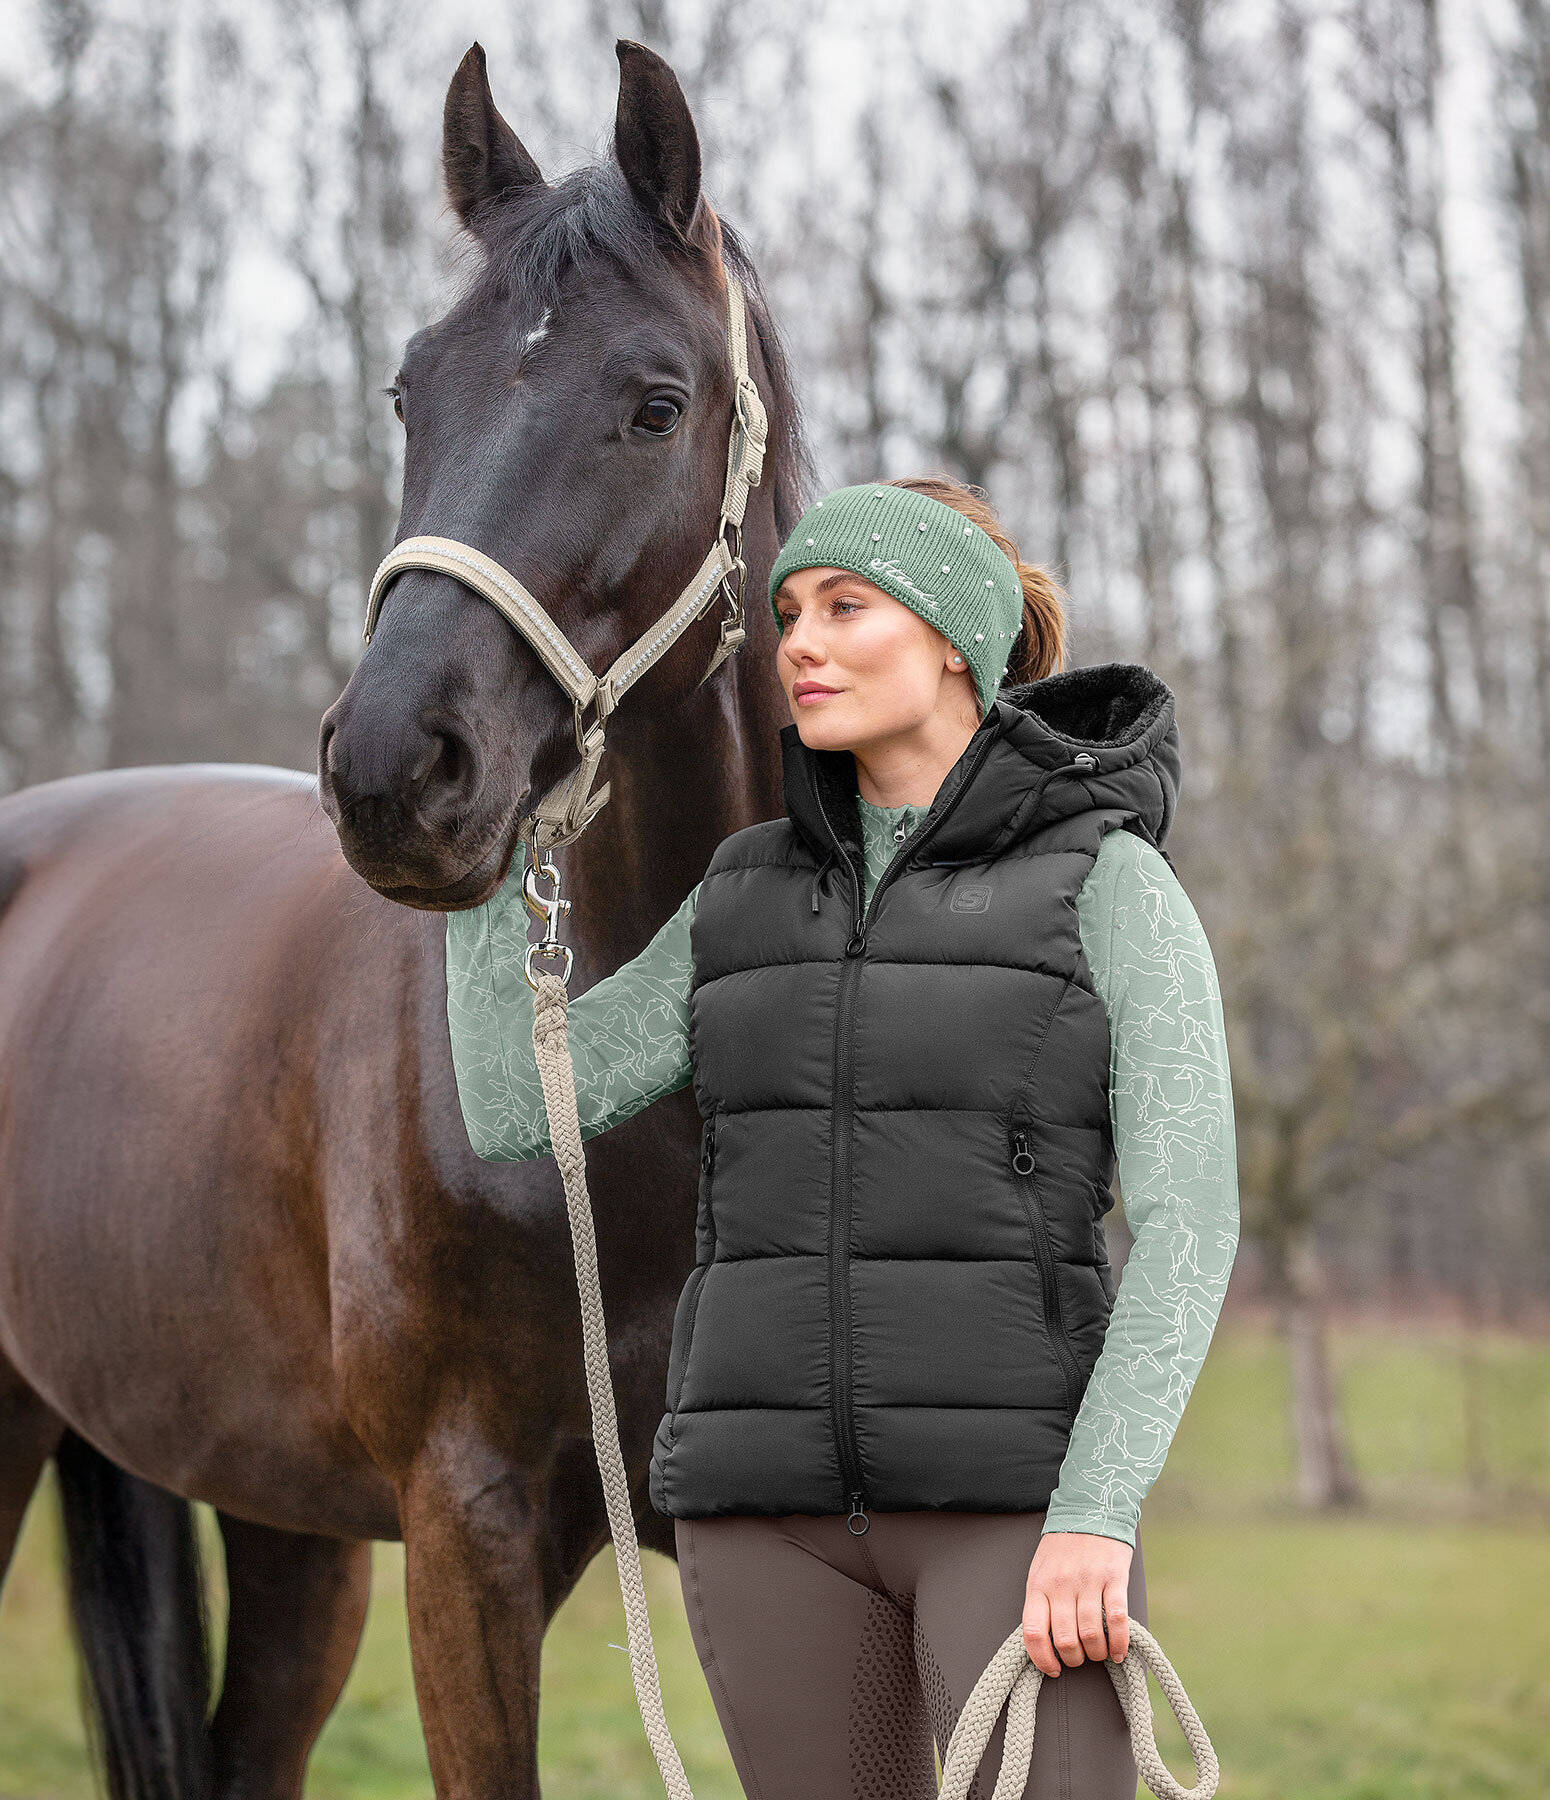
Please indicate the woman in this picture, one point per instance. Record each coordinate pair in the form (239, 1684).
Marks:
(923, 1014)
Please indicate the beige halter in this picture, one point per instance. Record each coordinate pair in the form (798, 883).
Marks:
(566, 811)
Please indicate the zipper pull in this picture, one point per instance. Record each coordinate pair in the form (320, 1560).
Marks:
(857, 943)
(818, 875)
(1022, 1156)
(857, 1511)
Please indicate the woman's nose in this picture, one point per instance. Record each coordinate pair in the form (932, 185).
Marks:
(802, 643)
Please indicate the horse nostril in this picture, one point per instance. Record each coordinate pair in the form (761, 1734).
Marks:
(454, 759)
(450, 760)
(324, 771)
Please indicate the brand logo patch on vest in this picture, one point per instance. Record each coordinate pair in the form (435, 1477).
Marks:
(971, 899)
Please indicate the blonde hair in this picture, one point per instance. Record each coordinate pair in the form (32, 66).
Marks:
(1040, 648)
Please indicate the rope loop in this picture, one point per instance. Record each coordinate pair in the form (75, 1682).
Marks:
(1012, 1679)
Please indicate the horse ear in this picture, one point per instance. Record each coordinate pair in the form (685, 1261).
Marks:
(481, 156)
(655, 141)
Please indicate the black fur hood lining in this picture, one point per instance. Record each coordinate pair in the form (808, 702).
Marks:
(1122, 714)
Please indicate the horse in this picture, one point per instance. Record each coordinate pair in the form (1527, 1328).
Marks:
(247, 1254)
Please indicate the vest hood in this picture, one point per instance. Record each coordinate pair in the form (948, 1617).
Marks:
(1018, 772)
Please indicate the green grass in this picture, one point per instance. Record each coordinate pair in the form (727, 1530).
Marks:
(1401, 1653)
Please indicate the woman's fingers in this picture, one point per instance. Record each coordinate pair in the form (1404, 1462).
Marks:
(1116, 1604)
(1064, 1626)
(1089, 1621)
(1036, 1637)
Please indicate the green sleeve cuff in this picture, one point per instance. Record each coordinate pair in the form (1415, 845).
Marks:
(1096, 1524)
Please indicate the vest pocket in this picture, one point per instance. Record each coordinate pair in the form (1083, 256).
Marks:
(683, 1333)
(705, 1255)
(1024, 1170)
(705, 1222)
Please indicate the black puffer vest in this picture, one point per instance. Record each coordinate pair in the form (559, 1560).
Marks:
(901, 1286)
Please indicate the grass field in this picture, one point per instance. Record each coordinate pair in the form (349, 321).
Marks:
(1399, 1654)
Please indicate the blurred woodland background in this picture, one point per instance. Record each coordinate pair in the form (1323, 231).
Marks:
(1239, 309)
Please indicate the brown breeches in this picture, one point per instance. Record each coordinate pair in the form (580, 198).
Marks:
(834, 1660)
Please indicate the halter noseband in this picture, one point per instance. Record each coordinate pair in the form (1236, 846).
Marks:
(566, 810)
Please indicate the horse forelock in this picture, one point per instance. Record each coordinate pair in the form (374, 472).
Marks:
(528, 248)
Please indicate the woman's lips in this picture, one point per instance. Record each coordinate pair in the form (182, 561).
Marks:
(813, 694)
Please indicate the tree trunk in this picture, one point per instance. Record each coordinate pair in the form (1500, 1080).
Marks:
(1326, 1480)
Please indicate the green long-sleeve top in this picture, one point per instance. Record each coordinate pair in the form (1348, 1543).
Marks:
(1170, 1097)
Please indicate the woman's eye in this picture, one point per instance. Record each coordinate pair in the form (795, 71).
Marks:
(659, 416)
(788, 619)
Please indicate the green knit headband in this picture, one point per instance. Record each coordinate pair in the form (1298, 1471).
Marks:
(928, 556)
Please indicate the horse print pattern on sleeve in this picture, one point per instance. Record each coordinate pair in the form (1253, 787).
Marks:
(1171, 1105)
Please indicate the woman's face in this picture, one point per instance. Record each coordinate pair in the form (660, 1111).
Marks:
(858, 666)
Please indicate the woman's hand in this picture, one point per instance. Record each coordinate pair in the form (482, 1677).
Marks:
(1077, 1578)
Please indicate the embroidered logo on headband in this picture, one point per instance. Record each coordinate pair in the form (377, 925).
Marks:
(891, 567)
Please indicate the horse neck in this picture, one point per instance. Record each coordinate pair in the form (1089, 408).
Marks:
(680, 779)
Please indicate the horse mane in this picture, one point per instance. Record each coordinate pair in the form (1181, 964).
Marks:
(529, 248)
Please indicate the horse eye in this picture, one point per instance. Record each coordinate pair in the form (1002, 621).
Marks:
(659, 416)
(398, 401)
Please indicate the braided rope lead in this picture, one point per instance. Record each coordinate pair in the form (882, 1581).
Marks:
(1010, 1677)
(551, 1045)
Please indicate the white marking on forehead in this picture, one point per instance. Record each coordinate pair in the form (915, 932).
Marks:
(530, 341)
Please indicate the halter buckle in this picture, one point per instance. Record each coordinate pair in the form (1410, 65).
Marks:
(732, 629)
(586, 735)
(751, 415)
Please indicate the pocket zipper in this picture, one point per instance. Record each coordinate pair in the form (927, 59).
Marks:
(1023, 1168)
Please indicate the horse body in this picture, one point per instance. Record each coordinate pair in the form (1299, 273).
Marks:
(182, 935)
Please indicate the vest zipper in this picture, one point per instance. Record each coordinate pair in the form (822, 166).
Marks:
(841, 1408)
(1022, 1168)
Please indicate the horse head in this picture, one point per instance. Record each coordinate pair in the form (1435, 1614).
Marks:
(568, 418)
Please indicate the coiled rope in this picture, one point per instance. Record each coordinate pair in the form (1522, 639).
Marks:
(1010, 1679)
